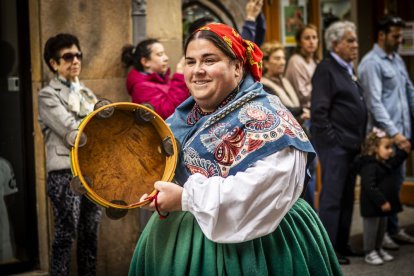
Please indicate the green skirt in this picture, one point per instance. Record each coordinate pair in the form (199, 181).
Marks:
(177, 246)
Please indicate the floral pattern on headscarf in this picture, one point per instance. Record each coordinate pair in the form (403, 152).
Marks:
(246, 51)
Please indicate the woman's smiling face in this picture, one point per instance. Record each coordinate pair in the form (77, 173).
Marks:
(209, 74)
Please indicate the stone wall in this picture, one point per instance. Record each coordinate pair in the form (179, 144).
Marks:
(102, 27)
(164, 23)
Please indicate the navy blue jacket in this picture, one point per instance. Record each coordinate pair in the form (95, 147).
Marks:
(338, 110)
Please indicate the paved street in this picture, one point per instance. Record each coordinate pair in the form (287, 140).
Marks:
(404, 258)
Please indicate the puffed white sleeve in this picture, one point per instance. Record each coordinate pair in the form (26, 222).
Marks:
(249, 204)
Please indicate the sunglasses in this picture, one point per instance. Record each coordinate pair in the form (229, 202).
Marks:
(69, 57)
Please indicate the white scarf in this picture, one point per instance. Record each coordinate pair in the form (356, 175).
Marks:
(80, 100)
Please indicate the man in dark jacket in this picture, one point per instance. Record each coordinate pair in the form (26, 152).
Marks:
(338, 120)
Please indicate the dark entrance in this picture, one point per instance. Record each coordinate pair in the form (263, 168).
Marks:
(18, 229)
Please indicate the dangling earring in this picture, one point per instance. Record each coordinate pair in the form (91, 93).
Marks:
(240, 82)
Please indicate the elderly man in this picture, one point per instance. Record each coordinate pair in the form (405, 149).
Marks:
(338, 122)
(390, 99)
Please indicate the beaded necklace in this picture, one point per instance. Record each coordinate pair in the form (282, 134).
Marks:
(196, 113)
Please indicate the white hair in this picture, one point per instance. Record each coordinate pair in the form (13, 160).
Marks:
(336, 32)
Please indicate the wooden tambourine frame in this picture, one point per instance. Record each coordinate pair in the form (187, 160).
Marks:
(118, 148)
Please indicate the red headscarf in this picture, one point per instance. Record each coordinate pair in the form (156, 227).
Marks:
(245, 50)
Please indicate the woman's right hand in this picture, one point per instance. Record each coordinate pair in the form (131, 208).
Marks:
(386, 207)
(180, 66)
(168, 198)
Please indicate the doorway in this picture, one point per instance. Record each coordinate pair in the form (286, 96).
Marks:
(18, 227)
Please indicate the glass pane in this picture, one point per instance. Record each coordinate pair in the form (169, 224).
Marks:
(10, 140)
(17, 209)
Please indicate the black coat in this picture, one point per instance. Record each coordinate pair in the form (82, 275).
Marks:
(379, 184)
(338, 110)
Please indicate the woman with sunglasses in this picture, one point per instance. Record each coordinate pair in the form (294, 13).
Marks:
(234, 206)
(149, 81)
(63, 103)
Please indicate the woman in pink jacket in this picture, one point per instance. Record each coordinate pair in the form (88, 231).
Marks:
(149, 81)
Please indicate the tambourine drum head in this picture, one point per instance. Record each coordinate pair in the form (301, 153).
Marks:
(122, 158)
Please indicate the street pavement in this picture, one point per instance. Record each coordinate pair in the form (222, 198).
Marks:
(403, 264)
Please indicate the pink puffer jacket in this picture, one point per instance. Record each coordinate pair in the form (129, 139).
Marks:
(159, 91)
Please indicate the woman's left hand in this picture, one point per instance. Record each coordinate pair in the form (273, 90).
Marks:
(168, 198)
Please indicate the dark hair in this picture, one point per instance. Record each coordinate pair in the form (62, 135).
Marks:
(213, 38)
(131, 56)
(298, 37)
(56, 43)
(195, 25)
(384, 24)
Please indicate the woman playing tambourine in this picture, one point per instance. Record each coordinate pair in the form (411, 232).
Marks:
(236, 209)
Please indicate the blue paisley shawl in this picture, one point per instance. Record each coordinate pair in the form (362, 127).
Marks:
(253, 125)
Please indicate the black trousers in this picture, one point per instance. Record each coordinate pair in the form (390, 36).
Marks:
(336, 200)
(76, 217)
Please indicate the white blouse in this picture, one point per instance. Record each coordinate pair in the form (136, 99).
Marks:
(249, 204)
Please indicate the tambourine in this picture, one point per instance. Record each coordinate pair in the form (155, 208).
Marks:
(118, 152)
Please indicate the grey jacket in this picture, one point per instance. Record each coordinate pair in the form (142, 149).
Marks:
(56, 120)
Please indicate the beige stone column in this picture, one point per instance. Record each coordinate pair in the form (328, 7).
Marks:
(164, 22)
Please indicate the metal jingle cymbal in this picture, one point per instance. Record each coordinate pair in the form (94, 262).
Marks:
(142, 116)
(116, 213)
(70, 138)
(167, 146)
(149, 106)
(88, 181)
(101, 102)
(105, 113)
(77, 187)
